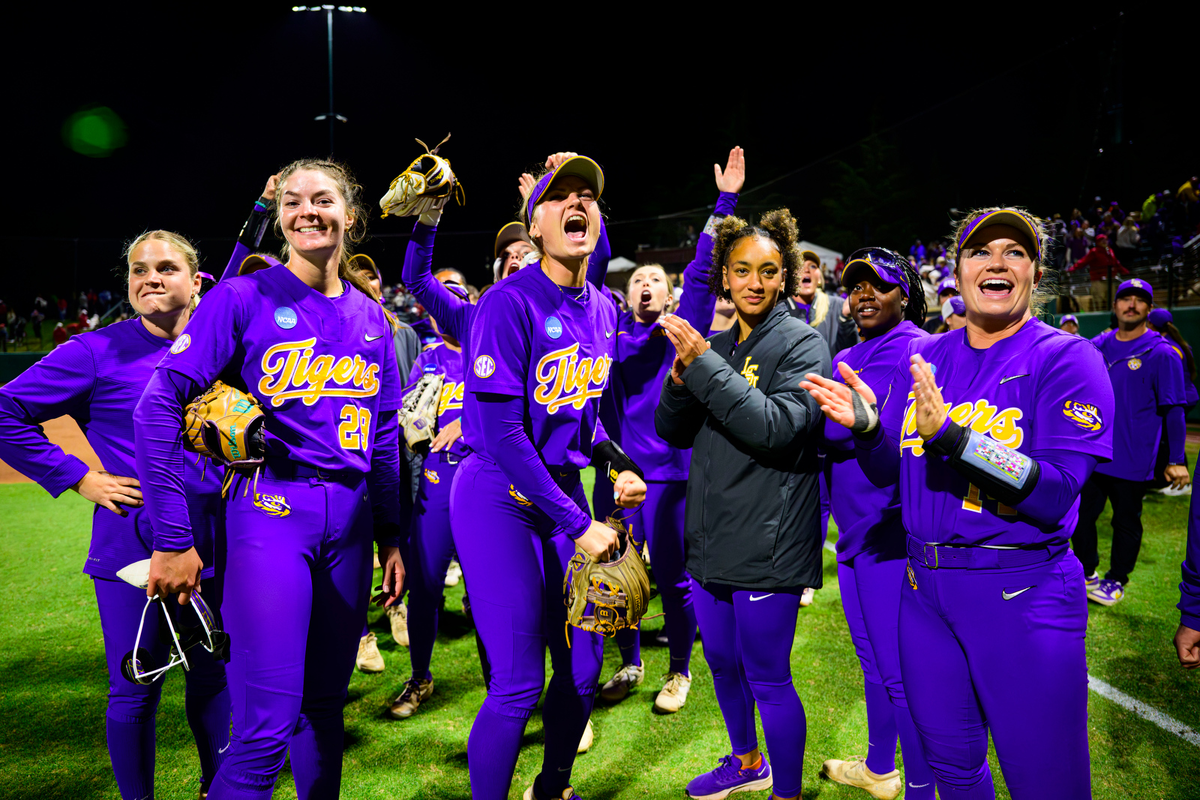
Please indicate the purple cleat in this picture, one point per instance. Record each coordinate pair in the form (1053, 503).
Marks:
(1104, 591)
(728, 778)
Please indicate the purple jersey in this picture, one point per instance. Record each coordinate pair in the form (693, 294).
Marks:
(1037, 390)
(868, 517)
(97, 379)
(1147, 377)
(321, 367)
(643, 358)
(440, 359)
(550, 344)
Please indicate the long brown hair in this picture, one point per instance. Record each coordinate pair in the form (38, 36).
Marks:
(351, 193)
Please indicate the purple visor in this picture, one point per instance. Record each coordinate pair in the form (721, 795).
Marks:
(580, 166)
(1136, 286)
(1006, 216)
(948, 285)
(1068, 318)
(886, 264)
(1160, 317)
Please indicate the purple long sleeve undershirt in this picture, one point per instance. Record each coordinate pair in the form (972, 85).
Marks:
(597, 268)
(1175, 423)
(249, 239)
(1063, 474)
(452, 313)
(160, 460)
(1189, 586)
(506, 441)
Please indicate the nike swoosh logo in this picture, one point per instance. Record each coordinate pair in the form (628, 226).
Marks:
(226, 747)
(761, 597)
(608, 334)
(1010, 595)
(1013, 377)
(371, 338)
(917, 785)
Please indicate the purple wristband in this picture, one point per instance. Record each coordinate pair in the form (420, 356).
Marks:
(946, 423)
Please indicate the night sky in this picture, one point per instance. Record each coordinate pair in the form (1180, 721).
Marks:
(214, 99)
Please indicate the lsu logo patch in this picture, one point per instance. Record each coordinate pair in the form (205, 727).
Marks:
(432, 476)
(484, 367)
(912, 579)
(181, 344)
(273, 505)
(521, 499)
(750, 373)
(1084, 415)
(1134, 363)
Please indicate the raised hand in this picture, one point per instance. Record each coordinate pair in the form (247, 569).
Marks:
(555, 159)
(928, 403)
(687, 340)
(850, 404)
(269, 190)
(525, 184)
(734, 176)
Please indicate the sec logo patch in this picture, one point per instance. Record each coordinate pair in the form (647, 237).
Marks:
(181, 344)
(484, 367)
(554, 327)
(285, 318)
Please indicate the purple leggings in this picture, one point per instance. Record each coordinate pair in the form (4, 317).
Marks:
(129, 720)
(497, 532)
(431, 547)
(660, 522)
(748, 638)
(870, 587)
(296, 590)
(999, 650)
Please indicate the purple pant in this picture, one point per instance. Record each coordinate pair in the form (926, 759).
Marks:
(431, 547)
(660, 522)
(870, 587)
(999, 650)
(748, 638)
(506, 544)
(296, 591)
(131, 707)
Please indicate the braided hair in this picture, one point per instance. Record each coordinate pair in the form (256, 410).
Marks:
(916, 309)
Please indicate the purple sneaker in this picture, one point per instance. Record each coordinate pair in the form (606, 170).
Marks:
(728, 778)
(1105, 592)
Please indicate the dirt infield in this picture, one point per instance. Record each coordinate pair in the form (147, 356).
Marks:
(66, 434)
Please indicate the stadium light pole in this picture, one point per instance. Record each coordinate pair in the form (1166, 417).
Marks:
(331, 116)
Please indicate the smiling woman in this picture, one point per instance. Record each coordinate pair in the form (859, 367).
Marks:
(1013, 415)
(326, 486)
(752, 509)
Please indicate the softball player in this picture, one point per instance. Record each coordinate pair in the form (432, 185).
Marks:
(96, 378)
(753, 508)
(296, 561)
(990, 432)
(642, 361)
(252, 233)
(1187, 637)
(887, 302)
(537, 359)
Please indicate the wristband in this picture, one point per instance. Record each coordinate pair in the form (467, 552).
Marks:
(611, 459)
(1002, 472)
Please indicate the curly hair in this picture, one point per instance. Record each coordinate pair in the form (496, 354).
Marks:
(351, 193)
(779, 226)
(1045, 289)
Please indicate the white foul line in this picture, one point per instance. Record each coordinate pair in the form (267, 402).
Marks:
(1144, 711)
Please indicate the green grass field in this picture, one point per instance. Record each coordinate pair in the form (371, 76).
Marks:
(53, 687)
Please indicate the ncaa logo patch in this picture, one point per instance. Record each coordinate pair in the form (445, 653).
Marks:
(285, 318)
(181, 344)
(1134, 363)
(553, 327)
(484, 367)
(273, 505)
(1084, 415)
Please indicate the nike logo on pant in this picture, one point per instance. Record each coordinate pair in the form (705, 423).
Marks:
(761, 597)
(917, 785)
(1007, 595)
(223, 749)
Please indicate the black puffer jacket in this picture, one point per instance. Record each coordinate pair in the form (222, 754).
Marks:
(753, 506)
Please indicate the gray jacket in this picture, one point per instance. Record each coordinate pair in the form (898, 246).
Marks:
(753, 508)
